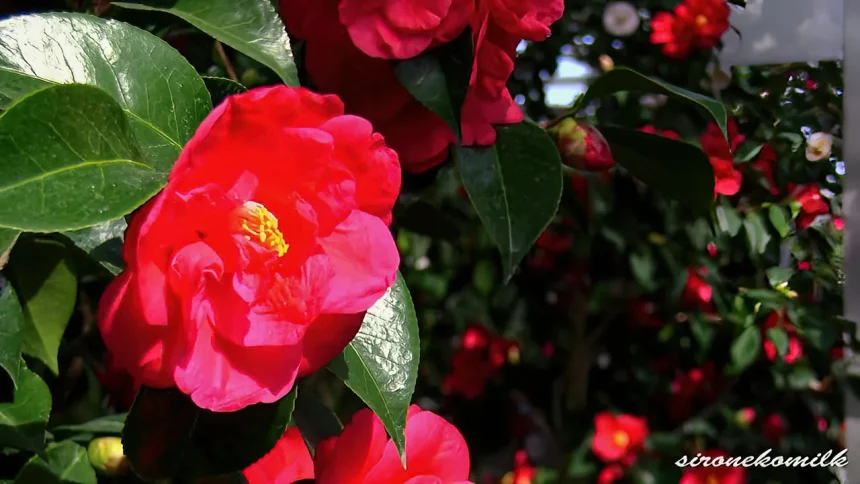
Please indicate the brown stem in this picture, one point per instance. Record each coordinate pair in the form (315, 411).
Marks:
(228, 66)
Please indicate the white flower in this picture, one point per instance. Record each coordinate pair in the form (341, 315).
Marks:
(719, 79)
(620, 19)
(819, 146)
(653, 101)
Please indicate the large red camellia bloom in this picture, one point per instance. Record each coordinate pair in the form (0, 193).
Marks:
(692, 24)
(257, 261)
(714, 475)
(287, 463)
(362, 454)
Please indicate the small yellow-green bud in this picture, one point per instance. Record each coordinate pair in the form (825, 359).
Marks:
(107, 457)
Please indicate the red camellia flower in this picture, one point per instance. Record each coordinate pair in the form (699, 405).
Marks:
(618, 437)
(765, 163)
(697, 293)
(362, 454)
(523, 473)
(348, 44)
(714, 143)
(812, 204)
(778, 319)
(692, 24)
(257, 261)
(400, 29)
(480, 356)
(288, 462)
(696, 386)
(773, 427)
(714, 475)
(727, 179)
(610, 474)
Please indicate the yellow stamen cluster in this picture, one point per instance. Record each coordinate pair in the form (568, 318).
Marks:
(257, 221)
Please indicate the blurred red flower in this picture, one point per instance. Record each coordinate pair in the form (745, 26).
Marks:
(618, 438)
(480, 356)
(714, 475)
(765, 164)
(778, 319)
(773, 427)
(697, 293)
(523, 472)
(692, 24)
(667, 133)
(714, 143)
(610, 474)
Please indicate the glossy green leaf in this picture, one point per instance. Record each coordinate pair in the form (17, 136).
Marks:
(250, 26)
(220, 88)
(11, 331)
(103, 242)
(779, 218)
(643, 267)
(70, 161)
(381, 364)
(107, 425)
(745, 349)
(779, 338)
(675, 169)
(47, 289)
(515, 187)
(424, 78)
(162, 95)
(67, 463)
(167, 436)
(23, 421)
(622, 79)
(757, 234)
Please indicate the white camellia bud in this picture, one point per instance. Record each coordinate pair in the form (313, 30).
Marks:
(818, 146)
(620, 19)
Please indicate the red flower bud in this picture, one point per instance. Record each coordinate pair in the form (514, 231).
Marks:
(582, 146)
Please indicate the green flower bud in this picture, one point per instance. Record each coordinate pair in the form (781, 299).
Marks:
(107, 457)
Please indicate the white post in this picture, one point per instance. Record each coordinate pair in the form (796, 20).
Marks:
(851, 207)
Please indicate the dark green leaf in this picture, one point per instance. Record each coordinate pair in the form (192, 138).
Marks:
(250, 26)
(623, 79)
(515, 187)
(67, 463)
(220, 88)
(703, 331)
(747, 151)
(23, 421)
(675, 169)
(642, 267)
(745, 349)
(314, 420)
(69, 161)
(109, 425)
(47, 289)
(11, 332)
(779, 338)
(424, 78)
(757, 233)
(103, 242)
(161, 93)
(728, 219)
(778, 275)
(381, 364)
(167, 436)
(779, 219)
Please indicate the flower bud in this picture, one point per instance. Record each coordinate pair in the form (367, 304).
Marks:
(582, 146)
(745, 416)
(107, 456)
